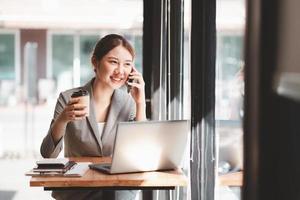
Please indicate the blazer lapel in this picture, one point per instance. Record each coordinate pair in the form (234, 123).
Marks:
(91, 119)
(114, 110)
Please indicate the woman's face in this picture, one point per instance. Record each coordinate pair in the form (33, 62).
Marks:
(114, 68)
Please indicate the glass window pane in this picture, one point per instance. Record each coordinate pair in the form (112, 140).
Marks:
(7, 56)
(230, 55)
(229, 77)
(229, 92)
(62, 57)
(87, 43)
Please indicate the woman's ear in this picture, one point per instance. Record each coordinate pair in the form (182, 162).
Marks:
(95, 63)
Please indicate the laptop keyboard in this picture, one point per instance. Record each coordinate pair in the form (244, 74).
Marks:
(106, 166)
(102, 165)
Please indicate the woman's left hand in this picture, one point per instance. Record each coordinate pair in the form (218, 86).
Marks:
(138, 86)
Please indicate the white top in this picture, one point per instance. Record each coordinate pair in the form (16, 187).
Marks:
(101, 127)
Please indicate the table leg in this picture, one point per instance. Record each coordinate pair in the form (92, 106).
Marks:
(147, 195)
(170, 194)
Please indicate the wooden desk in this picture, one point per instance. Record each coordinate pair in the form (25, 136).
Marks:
(96, 180)
(231, 179)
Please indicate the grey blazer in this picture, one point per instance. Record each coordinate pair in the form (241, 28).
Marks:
(82, 137)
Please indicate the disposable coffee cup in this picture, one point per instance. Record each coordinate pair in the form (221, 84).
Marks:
(84, 99)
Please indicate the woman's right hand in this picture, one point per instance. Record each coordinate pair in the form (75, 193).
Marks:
(73, 111)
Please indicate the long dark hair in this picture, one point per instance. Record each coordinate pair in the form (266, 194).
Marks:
(107, 43)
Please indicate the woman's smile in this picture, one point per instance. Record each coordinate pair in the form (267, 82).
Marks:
(117, 79)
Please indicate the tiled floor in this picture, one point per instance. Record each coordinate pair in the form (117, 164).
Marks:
(21, 132)
(14, 185)
(227, 193)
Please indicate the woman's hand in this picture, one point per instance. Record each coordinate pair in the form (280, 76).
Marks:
(138, 86)
(73, 111)
(138, 93)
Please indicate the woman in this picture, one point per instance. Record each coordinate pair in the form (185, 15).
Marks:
(93, 135)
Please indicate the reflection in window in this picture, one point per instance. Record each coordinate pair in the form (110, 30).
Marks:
(229, 92)
(230, 55)
(230, 83)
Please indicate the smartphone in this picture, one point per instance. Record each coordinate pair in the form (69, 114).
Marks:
(129, 86)
(130, 81)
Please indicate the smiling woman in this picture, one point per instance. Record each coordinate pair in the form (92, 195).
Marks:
(112, 60)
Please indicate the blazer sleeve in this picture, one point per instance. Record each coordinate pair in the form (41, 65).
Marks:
(48, 147)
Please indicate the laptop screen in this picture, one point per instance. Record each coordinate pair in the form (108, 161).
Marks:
(149, 145)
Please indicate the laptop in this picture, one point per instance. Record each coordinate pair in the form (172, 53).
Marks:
(147, 146)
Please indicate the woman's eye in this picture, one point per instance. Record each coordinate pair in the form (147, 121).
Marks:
(113, 62)
(128, 64)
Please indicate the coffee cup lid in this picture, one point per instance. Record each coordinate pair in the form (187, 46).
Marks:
(80, 93)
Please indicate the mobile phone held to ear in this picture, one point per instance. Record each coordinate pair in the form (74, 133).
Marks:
(129, 81)
(129, 86)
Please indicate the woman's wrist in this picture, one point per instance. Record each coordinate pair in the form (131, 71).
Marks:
(58, 128)
(141, 104)
(62, 120)
(141, 111)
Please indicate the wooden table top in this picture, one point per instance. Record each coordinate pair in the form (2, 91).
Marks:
(94, 178)
(231, 179)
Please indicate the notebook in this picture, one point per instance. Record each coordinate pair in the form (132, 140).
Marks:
(147, 146)
(54, 167)
(52, 161)
(77, 170)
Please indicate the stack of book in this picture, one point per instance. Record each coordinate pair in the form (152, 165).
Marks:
(52, 167)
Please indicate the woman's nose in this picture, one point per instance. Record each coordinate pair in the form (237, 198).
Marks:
(119, 69)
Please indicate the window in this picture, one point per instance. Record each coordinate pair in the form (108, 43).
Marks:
(229, 91)
(87, 43)
(62, 59)
(71, 55)
(67, 33)
(9, 67)
(7, 56)
(229, 77)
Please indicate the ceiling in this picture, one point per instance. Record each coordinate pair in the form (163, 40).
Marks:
(100, 14)
(71, 14)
